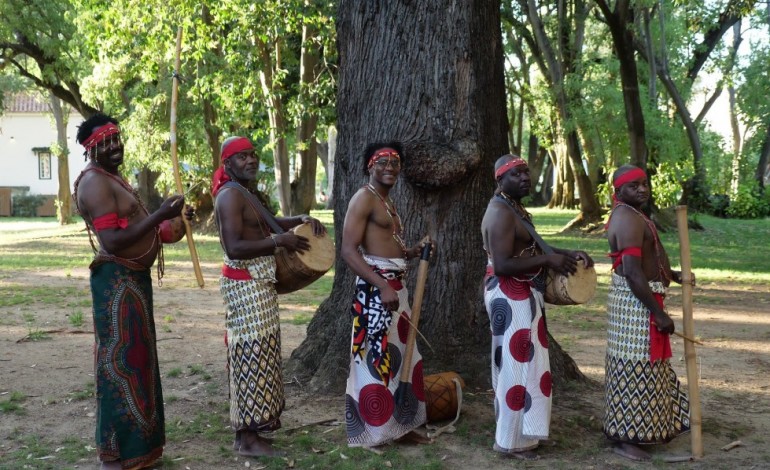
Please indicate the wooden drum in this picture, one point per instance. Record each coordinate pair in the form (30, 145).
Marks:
(578, 288)
(297, 270)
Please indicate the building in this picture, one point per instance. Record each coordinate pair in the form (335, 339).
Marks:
(27, 166)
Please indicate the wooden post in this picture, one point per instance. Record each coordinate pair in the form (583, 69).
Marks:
(175, 157)
(688, 326)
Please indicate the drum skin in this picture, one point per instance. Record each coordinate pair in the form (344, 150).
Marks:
(297, 270)
(172, 230)
(578, 288)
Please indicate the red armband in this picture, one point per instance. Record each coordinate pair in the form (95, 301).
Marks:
(108, 221)
(617, 257)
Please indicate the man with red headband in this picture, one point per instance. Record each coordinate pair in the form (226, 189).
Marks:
(513, 294)
(374, 249)
(644, 401)
(253, 335)
(130, 426)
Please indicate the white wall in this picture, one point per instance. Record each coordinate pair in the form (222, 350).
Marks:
(19, 133)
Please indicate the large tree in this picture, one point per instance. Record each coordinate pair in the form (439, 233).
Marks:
(431, 77)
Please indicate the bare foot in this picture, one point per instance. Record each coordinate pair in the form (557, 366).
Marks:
(522, 455)
(414, 437)
(547, 443)
(255, 446)
(630, 451)
(111, 465)
(237, 441)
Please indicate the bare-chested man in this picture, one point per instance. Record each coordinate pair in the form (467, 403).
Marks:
(644, 401)
(513, 296)
(373, 248)
(130, 424)
(247, 285)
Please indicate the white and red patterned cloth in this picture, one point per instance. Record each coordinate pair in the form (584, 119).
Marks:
(521, 373)
(378, 343)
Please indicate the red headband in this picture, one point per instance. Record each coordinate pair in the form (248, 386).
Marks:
(237, 145)
(518, 161)
(99, 134)
(628, 176)
(383, 152)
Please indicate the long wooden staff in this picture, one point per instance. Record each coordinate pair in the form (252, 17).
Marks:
(696, 442)
(406, 364)
(175, 157)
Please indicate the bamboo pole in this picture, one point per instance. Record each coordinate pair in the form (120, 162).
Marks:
(696, 442)
(175, 157)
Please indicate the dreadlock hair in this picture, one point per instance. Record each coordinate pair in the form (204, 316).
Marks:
(86, 128)
(374, 146)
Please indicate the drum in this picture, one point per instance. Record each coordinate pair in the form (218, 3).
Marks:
(297, 270)
(443, 394)
(172, 230)
(578, 288)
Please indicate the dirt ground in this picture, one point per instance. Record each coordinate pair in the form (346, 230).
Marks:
(46, 364)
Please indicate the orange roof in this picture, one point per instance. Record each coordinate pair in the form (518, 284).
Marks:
(24, 103)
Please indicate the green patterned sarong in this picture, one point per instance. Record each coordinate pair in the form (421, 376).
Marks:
(129, 418)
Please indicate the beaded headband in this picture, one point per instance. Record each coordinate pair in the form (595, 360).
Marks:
(518, 161)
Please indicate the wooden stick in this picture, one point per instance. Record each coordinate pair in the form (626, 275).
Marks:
(696, 442)
(685, 337)
(175, 157)
(422, 276)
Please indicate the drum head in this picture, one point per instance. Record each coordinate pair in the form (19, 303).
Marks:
(321, 254)
(582, 285)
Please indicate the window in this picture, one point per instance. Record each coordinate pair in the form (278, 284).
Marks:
(44, 165)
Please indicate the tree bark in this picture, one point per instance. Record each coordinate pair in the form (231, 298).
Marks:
(431, 77)
(64, 197)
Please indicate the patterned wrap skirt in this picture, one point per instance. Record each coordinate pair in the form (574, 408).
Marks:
(644, 401)
(521, 372)
(129, 400)
(372, 414)
(253, 341)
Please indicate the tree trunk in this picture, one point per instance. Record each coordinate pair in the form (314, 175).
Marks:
(332, 139)
(762, 166)
(734, 127)
(303, 186)
(443, 97)
(148, 191)
(64, 197)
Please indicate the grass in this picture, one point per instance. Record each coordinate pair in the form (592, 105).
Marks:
(76, 319)
(13, 403)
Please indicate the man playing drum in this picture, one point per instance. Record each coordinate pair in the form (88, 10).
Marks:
(514, 285)
(645, 403)
(253, 335)
(130, 430)
(373, 248)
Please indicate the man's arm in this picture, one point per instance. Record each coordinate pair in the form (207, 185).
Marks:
(354, 229)
(288, 223)
(632, 235)
(502, 233)
(98, 198)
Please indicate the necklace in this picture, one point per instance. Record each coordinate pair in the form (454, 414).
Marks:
(516, 205)
(398, 233)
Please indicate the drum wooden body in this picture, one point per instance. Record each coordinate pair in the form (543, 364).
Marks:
(297, 270)
(578, 288)
(441, 395)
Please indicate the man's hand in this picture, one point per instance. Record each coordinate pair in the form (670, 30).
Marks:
(318, 228)
(171, 207)
(583, 256)
(189, 213)
(389, 298)
(292, 242)
(664, 323)
(562, 264)
(416, 251)
(676, 276)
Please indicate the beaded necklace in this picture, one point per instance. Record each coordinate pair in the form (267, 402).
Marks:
(527, 217)
(398, 233)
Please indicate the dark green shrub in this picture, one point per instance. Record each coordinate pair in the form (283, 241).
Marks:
(26, 206)
(749, 203)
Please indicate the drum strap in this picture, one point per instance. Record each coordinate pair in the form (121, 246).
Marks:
(530, 228)
(257, 205)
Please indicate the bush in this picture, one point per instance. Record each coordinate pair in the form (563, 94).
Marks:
(26, 206)
(718, 204)
(749, 203)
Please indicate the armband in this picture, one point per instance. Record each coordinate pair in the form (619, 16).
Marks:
(109, 221)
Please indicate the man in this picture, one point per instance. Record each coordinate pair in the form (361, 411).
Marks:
(513, 296)
(374, 249)
(645, 403)
(130, 426)
(253, 332)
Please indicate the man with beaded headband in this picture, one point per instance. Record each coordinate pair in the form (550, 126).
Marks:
(253, 335)
(374, 249)
(513, 295)
(130, 423)
(644, 401)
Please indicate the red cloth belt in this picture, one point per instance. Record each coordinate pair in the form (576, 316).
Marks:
(660, 344)
(235, 273)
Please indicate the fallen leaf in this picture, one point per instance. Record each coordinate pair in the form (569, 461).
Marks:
(343, 456)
